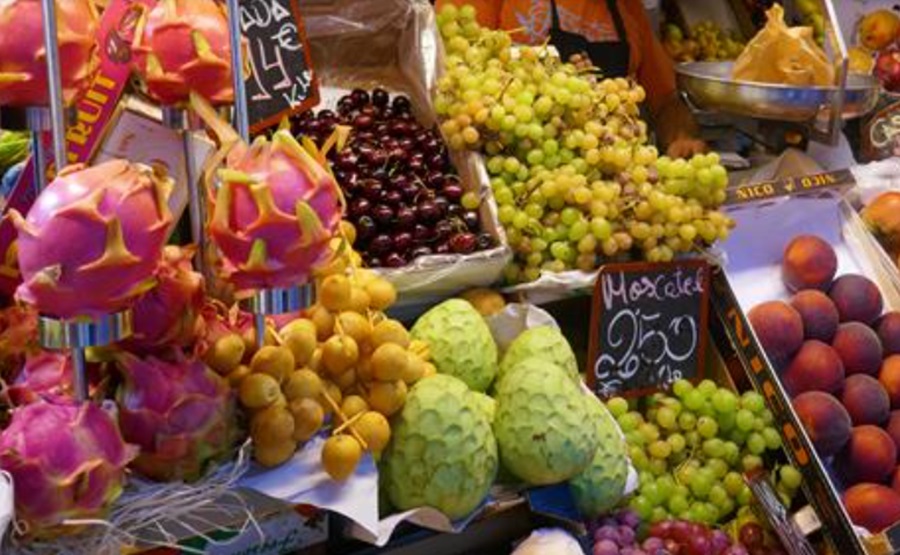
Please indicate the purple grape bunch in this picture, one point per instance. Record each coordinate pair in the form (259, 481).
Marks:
(403, 195)
(618, 535)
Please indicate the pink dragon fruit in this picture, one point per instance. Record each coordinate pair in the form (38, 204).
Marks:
(67, 460)
(93, 239)
(185, 46)
(23, 73)
(180, 413)
(275, 210)
(47, 375)
(167, 315)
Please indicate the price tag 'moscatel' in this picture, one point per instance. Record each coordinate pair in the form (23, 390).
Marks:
(648, 326)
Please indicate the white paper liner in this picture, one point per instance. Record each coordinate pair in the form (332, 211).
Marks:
(302, 480)
(145, 511)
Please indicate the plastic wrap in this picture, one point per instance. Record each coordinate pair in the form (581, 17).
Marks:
(395, 44)
(784, 55)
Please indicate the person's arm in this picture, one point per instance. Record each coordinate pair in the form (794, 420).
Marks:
(488, 10)
(675, 127)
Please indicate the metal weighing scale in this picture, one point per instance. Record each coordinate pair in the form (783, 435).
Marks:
(779, 116)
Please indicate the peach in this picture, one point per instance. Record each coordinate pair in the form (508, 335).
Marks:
(808, 263)
(815, 367)
(779, 329)
(889, 376)
(859, 348)
(872, 506)
(866, 400)
(857, 298)
(895, 480)
(868, 456)
(888, 329)
(893, 429)
(819, 315)
(825, 420)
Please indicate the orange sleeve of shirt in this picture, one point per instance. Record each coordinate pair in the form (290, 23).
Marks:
(488, 10)
(654, 71)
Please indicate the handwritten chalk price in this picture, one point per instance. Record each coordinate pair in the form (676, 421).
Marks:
(281, 79)
(648, 326)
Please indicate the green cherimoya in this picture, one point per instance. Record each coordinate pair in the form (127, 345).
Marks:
(487, 405)
(601, 486)
(541, 424)
(460, 342)
(543, 343)
(442, 453)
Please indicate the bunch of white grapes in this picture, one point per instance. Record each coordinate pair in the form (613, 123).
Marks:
(574, 177)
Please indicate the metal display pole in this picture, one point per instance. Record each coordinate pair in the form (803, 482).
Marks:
(179, 119)
(57, 109)
(265, 301)
(241, 117)
(77, 335)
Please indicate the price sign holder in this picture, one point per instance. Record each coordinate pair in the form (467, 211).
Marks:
(281, 81)
(649, 326)
(744, 193)
(881, 134)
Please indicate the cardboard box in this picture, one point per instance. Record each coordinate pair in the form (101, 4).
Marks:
(136, 133)
(754, 254)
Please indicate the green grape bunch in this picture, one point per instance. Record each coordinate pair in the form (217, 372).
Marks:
(691, 448)
(576, 181)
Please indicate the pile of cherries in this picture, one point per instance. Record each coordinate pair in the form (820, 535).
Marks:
(403, 195)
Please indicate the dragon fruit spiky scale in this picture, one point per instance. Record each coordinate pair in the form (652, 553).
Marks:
(67, 460)
(179, 412)
(93, 239)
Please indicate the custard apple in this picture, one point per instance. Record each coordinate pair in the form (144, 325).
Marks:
(544, 343)
(541, 425)
(442, 453)
(487, 405)
(460, 341)
(536, 366)
(601, 486)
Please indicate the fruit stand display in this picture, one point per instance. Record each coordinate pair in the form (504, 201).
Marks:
(357, 357)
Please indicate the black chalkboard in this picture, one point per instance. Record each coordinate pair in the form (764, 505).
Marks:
(281, 81)
(648, 326)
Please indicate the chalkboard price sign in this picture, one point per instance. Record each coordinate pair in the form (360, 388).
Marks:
(648, 326)
(282, 80)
